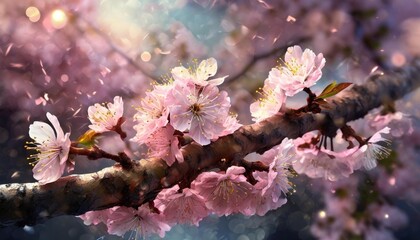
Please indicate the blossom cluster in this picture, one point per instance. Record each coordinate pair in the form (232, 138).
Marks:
(190, 107)
(220, 192)
(300, 69)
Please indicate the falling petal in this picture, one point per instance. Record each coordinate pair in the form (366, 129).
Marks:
(290, 19)
(8, 49)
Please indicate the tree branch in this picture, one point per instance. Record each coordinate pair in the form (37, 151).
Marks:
(31, 203)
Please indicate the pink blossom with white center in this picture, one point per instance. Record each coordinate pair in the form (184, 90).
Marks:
(53, 150)
(181, 207)
(300, 70)
(123, 219)
(269, 104)
(163, 144)
(373, 150)
(152, 113)
(202, 111)
(105, 118)
(399, 123)
(225, 193)
(199, 76)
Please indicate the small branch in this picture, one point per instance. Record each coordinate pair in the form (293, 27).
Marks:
(311, 95)
(254, 166)
(95, 153)
(117, 128)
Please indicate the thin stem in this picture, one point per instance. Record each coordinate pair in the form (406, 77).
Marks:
(95, 153)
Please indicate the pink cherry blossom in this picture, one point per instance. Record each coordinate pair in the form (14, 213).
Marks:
(105, 118)
(181, 207)
(272, 186)
(202, 111)
(225, 193)
(373, 150)
(163, 144)
(96, 217)
(399, 123)
(231, 124)
(270, 190)
(123, 219)
(319, 164)
(53, 150)
(300, 70)
(152, 113)
(199, 76)
(269, 104)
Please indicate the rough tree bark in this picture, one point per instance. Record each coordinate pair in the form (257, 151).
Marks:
(31, 203)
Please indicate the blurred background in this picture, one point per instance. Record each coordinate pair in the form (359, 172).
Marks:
(63, 56)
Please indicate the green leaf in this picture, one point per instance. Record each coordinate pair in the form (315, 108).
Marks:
(88, 138)
(329, 87)
(333, 89)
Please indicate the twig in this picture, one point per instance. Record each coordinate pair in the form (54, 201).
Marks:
(95, 153)
(257, 57)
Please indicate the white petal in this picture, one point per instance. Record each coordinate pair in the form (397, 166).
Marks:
(217, 81)
(206, 69)
(41, 132)
(377, 137)
(181, 73)
(53, 119)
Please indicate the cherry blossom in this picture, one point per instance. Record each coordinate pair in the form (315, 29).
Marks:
(53, 150)
(300, 70)
(399, 123)
(105, 118)
(269, 104)
(225, 192)
(163, 144)
(152, 113)
(264, 200)
(199, 76)
(181, 207)
(373, 150)
(231, 124)
(318, 162)
(201, 111)
(123, 219)
(96, 217)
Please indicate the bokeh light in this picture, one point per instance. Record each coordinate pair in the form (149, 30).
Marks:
(145, 56)
(33, 14)
(59, 18)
